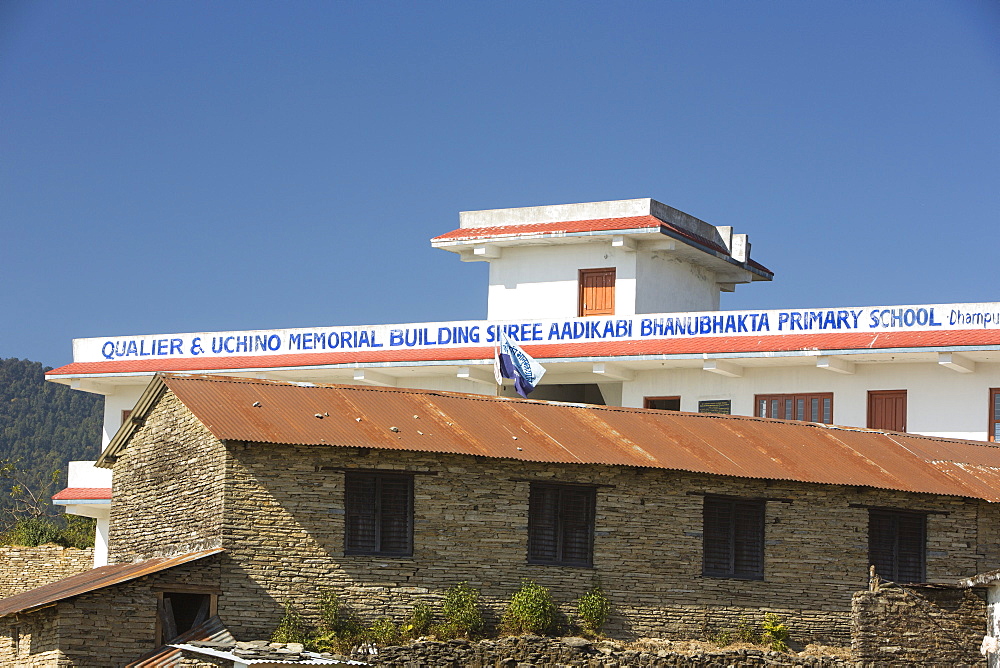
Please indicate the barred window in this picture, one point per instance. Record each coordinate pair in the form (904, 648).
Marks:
(897, 544)
(561, 525)
(733, 538)
(378, 514)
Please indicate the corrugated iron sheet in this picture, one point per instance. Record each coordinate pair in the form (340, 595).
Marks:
(94, 579)
(541, 431)
(211, 630)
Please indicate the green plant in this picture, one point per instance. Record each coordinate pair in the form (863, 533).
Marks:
(775, 633)
(339, 629)
(291, 628)
(462, 616)
(384, 632)
(420, 621)
(32, 532)
(593, 609)
(531, 610)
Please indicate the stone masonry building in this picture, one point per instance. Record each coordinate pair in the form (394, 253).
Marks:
(389, 497)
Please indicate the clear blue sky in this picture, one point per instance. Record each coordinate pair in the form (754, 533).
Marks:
(199, 166)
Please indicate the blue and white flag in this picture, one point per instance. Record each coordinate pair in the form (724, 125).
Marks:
(509, 361)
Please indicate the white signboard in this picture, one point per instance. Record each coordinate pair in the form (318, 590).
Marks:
(472, 333)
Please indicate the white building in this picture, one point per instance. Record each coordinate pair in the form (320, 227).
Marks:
(619, 301)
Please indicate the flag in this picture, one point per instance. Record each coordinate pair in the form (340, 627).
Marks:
(509, 361)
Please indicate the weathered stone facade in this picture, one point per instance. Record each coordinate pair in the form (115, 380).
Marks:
(278, 510)
(111, 626)
(167, 488)
(919, 626)
(24, 568)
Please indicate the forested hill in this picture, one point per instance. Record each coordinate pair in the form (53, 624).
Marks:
(45, 425)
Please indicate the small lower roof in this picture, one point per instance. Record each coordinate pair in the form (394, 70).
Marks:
(94, 579)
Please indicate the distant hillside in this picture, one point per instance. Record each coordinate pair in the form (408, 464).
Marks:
(44, 424)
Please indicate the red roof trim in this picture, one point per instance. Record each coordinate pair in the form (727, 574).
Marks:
(79, 493)
(598, 225)
(679, 346)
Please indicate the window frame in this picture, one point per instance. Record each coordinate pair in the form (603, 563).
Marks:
(731, 543)
(352, 546)
(895, 516)
(994, 415)
(873, 397)
(583, 311)
(557, 522)
(784, 400)
(647, 401)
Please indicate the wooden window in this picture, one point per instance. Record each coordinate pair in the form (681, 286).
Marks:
(808, 407)
(994, 432)
(597, 291)
(662, 403)
(733, 538)
(897, 544)
(561, 525)
(887, 410)
(378, 514)
(181, 611)
(126, 414)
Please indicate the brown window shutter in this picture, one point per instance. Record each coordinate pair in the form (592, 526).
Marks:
(597, 292)
(897, 542)
(887, 410)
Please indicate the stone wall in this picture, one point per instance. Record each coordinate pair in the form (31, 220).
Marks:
(909, 626)
(513, 652)
(24, 568)
(167, 487)
(284, 528)
(111, 626)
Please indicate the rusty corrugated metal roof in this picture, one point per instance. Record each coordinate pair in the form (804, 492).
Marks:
(211, 630)
(542, 431)
(94, 579)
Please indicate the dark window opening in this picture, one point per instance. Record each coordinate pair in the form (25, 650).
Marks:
(994, 431)
(126, 414)
(662, 403)
(561, 525)
(378, 514)
(733, 538)
(897, 544)
(182, 611)
(805, 407)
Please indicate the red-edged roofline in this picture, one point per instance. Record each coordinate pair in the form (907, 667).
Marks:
(599, 225)
(676, 346)
(578, 226)
(83, 493)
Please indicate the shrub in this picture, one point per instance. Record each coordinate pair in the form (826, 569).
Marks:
(462, 616)
(593, 609)
(291, 628)
(420, 621)
(775, 633)
(384, 632)
(531, 610)
(34, 531)
(340, 629)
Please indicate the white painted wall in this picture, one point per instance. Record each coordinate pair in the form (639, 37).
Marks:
(667, 284)
(123, 398)
(529, 282)
(940, 402)
(85, 474)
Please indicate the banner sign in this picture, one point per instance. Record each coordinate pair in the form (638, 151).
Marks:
(472, 333)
